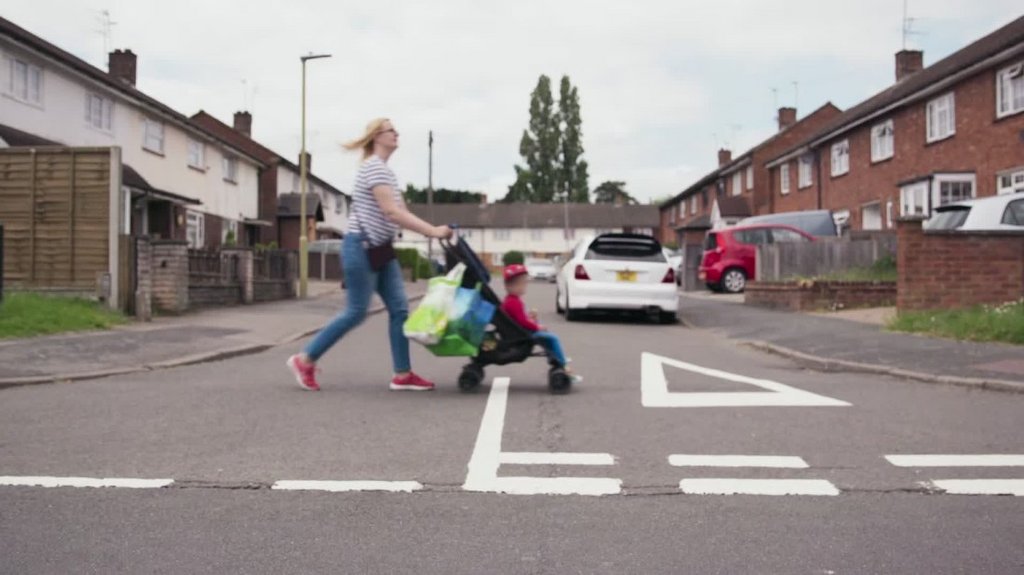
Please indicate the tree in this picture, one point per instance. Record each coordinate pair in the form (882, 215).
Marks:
(414, 195)
(539, 145)
(573, 177)
(613, 192)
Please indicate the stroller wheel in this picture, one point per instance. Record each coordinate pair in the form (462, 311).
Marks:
(471, 377)
(559, 381)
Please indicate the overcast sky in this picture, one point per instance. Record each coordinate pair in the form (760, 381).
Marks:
(663, 84)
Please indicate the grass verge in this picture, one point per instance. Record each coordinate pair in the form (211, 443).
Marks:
(1003, 323)
(29, 314)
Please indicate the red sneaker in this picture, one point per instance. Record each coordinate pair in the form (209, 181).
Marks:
(411, 382)
(305, 373)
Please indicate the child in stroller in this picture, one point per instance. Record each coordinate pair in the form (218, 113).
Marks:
(506, 341)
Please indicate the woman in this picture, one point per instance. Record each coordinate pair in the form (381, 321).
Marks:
(378, 212)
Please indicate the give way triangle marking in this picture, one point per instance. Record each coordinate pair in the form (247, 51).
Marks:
(655, 393)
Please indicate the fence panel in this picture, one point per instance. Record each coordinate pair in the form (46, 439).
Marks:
(270, 265)
(785, 261)
(212, 267)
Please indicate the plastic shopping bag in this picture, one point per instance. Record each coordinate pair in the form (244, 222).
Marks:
(427, 323)
(468, 319)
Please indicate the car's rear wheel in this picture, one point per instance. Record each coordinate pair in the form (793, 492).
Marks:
(571, 314)
(558, 303)
(734, 280)
(667, 318)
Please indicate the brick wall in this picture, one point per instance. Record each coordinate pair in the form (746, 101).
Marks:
(203, 296)
(272, 290)
(143, 279)
(957, 269)
(170, 276)
(819, 295)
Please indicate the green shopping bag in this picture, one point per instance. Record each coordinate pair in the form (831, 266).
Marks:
(427, 323)
(467, 323)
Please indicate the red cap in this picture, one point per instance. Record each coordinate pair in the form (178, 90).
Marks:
(513, 271)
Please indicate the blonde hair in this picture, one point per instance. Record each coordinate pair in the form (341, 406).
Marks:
(365, 142)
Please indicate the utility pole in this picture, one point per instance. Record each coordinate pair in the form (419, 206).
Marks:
(303, 176)
(430, 193)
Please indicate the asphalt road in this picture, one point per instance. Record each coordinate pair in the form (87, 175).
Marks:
(483, 467)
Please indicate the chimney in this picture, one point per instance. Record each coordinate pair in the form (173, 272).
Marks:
(724, 157)
(908, 62)
(787, 117)
(243, 123)
(309, 162)
(121, 65)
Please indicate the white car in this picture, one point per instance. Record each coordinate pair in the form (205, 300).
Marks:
(618, 272)
(541, 269)
(675, 259)
(1004, 212)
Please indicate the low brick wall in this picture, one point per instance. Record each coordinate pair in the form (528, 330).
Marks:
(943, 270)
(201, 296)
(169, 281)
(819, 295)
(273, 290)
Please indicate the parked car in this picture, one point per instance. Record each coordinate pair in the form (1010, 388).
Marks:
(675, 259)
(819, 223)
(730, 255)
(997, 213)
(541, 269)
(618, 272)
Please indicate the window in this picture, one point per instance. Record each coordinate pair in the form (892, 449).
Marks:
(98, 111)
(672, 214)
(804, 167)
(693, 205)
(230, 166)
(153, 139)
(26, 82)
(536, 235)
(840, 158)
(497, 259)
(1010, 90)
(1010, 183)
(195, 232)
(737, 183)
(782, 235)
(956, 188)
(230, 232)
(889, 217)
(871, 216)
(914, 199)
(784, 178)
(196, 154)
(750, 177)
(842, 220)
(569, 234)
(339, 205)
(941, 118)
(754, 237)
(882, 140)
(1014, 214)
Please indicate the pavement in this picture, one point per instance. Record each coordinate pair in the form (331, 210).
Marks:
(856, 340)
(681, 452)
(166, 342)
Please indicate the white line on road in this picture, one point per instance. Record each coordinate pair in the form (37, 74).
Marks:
(733, 486)
(981, 460)
(655, 393)
(981, 486)
(345, 486)
(123, 482)
(535, 458)
(781, 461)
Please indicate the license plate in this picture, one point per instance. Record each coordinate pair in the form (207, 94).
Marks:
(626, 276)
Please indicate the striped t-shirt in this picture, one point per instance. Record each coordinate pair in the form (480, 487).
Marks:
(367, 217)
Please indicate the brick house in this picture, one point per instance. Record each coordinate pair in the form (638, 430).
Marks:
(948, 132)
(327, 207)
(738, 187)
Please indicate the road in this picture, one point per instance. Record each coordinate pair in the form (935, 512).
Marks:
(249, 474)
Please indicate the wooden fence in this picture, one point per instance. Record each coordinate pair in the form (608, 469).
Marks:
(785, 261)
(56, 207)
(207, 267)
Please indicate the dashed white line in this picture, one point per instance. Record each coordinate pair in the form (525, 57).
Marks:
(733, 486)
(122, 482)
(773, 461)
(978, 460)
(981, 486)
(556, 458)
(347, 486)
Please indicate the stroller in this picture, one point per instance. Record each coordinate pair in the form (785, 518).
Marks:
(505, 341)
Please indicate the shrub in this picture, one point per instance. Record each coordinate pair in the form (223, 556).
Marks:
(513, 257)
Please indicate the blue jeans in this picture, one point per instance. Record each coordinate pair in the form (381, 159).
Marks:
(552, 344)
(361, 282)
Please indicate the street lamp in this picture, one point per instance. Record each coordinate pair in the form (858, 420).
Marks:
(303, 169)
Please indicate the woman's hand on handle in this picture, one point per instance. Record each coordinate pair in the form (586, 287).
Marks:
(442, 232)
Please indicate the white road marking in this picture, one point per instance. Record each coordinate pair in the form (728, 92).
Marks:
(482, 475)
(655, 393)
(346, 486)
(534, 458)
(780, 461)
(123, 482)
(981, 460)
(734, 486)
(981, 486)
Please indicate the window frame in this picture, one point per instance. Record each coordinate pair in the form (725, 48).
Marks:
(1009, 74)
(932, 107)
(27, 88)
(737, 183)
(750, 177)
(693, 205)
(1015, 185)
(940, 179)
(883, 145)
(840, 162)
(201, 156)
(200, 225)
(920, 190)
(878, 208)
(502, 234)
(805, 161)
(784, 179)
(148, 124)
(106, 112)
(229, 168)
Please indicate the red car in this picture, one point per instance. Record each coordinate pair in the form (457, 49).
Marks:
(730, 255)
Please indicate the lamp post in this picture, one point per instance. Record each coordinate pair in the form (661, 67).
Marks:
(430, 193)
(303, 169)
